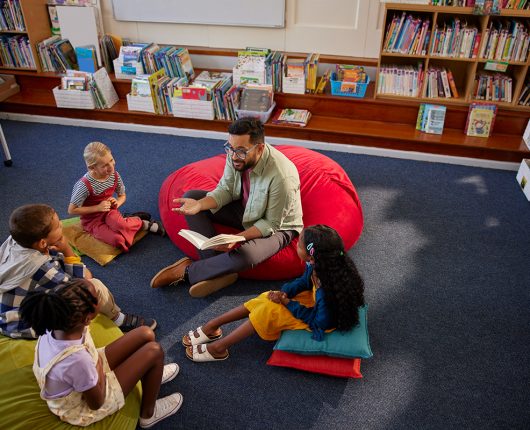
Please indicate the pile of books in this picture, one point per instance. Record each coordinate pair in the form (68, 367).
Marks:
(524, 98)
(11, 18)
(493, 87)
(15, 51)
(256, 101)
(296, 117)
(407, 35)
(400, 80)
(508, 42)
(253, 65)
(440, 83)
(57, 55)
(456, 40)
(110, 47)
(480, 119)
(311, 69)
(431, 118)
(211, 86)
(84, 90)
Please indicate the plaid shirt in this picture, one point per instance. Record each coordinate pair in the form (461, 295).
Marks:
(49, 275)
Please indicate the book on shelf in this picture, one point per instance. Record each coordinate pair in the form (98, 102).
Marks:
(323, 81)
(202, 242)
(296, 117)
(480, 119)
(256, 97)
(86, 58)
(431, 118)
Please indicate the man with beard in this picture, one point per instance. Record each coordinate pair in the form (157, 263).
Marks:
(259, 193)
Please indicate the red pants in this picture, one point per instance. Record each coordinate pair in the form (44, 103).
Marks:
(112, 228)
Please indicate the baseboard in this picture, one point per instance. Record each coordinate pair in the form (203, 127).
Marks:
(324, 146)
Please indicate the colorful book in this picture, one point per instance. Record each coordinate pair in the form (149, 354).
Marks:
(431, 118)
(86, 58)
(480, 119)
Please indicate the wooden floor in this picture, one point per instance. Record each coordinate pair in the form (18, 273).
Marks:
(344, 120)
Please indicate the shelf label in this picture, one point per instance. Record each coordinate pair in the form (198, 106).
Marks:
(496, 66)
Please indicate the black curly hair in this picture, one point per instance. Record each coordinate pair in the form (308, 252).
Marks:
(343, 286)
(61, 308)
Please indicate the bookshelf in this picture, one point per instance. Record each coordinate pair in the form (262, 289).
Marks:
(37, 28)
(467, 63)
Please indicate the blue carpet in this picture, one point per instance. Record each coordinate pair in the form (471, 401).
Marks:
(445, 255)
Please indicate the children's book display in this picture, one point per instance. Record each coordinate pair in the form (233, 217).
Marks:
(128, 64)
(256, 101)
(493, 87)
(109, 46)
(431, 118)
(86, 58)
(82, 90)
(400, 80)
(480, 119)
(440, 83)
(204, 97)
(349, 80)
(294, 80)
(16, 52)
(253, 65)
(57, 55)
(295, 117)
(202, 242)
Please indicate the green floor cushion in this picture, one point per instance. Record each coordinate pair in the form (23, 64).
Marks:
(85, 244)
(21, 407)
(354, 343)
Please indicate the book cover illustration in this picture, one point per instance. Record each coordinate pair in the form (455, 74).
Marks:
(480, 120)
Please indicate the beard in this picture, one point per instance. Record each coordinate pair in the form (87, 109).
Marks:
(242, 165)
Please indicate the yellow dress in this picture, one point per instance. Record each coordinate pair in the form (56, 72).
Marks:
(270, 319)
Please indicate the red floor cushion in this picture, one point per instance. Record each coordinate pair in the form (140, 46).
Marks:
(328, 197)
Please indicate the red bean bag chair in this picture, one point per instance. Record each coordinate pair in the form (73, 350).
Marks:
(328, 197)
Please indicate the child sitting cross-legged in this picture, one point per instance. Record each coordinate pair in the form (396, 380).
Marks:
(326, 297)
(93, 200)
(82, 384)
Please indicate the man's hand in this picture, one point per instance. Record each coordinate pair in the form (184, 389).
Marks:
(188, 206)
(226, 247)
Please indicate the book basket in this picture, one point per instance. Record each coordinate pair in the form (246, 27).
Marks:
(357, 89)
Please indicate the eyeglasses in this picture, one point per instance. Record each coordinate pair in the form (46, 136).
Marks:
(239, 153)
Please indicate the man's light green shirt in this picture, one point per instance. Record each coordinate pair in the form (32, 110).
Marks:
(274, 198)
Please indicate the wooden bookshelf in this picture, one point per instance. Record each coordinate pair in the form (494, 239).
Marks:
(464, 70)
(37, 23)
(368, 121)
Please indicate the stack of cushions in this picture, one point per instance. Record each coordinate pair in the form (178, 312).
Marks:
(339, 354)
(86, 244)
(22, 408)
(328, 197)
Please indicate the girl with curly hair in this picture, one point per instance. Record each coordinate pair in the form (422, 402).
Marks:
(82, 384)
(326, 297)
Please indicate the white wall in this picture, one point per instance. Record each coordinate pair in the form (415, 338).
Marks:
(333, 27)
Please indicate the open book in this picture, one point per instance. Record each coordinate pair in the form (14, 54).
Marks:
(202, 242)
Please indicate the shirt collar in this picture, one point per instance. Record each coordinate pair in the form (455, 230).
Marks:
(260, 166)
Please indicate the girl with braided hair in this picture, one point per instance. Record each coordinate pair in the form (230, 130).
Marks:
(82, 384)
(326, 297)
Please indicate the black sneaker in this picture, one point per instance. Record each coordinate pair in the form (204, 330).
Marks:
(144, 216)
(132, 321)
(160, 231)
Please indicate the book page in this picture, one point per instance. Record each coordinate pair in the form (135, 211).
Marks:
(104, 85)
(202, 242)
(195, 238)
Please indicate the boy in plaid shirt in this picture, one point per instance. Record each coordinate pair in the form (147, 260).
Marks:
(37, 256)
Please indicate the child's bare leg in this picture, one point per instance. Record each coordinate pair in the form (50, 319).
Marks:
(219, 348)
(211, 328)
(121, 349)
(145, 364)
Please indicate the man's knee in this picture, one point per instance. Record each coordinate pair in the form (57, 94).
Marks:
(195, 194)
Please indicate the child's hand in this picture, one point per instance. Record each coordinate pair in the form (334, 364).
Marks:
(104, 206)
(274, 296)
(284, 299)
(63, 246)
(113, 203)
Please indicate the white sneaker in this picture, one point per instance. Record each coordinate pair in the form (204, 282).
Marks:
(170, 371)
(164, 407)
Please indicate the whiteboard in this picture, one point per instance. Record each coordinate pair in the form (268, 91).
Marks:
(249, 13)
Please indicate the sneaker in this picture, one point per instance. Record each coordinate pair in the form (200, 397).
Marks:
(132, 321)
(160, 231)
(164, 407)
(170, 371)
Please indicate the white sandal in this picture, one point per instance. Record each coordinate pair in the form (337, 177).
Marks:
(202, 356)
(199, 340)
